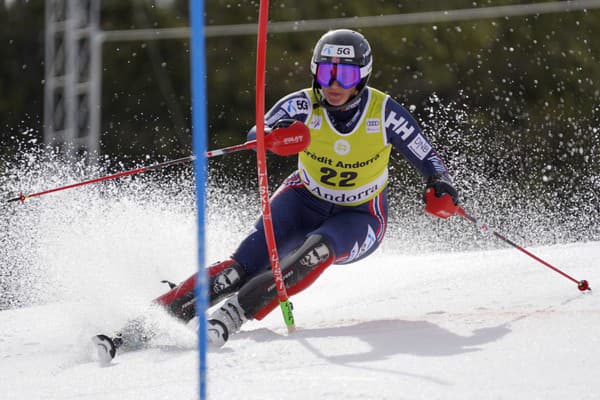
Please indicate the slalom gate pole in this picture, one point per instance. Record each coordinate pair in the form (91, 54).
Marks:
(582, 285)
(283, 141)
(261, 50)
(199, 140)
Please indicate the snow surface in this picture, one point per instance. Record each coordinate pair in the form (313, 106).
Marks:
(477, 324)
(473, 325)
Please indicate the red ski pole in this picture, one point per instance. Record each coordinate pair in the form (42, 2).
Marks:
(282, 141)
(582, 285)
(22, 197)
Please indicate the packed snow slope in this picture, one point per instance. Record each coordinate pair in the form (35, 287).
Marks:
(426, 317)
(472, 325)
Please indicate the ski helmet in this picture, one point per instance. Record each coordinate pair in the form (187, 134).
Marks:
(342, 46)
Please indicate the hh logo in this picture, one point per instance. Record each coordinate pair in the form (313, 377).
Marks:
(399, 125)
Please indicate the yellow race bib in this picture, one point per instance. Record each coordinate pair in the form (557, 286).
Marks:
(350, 168)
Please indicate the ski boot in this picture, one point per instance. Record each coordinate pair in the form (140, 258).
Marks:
(225, 321)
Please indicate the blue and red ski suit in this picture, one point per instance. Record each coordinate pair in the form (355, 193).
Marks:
(332, 210)
(353, 231)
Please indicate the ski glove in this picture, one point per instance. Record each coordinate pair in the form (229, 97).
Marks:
(440, 197)
(442, 185)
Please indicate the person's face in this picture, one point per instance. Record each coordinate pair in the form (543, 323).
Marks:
(337, 95)
(338, 81)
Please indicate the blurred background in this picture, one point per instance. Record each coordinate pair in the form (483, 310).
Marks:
(514, 97)
(508, 91)
(520, 93)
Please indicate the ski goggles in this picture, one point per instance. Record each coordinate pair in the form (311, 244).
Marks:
(345, 74)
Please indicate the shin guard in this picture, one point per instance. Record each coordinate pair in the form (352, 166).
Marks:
(225, 278)
(300, 269)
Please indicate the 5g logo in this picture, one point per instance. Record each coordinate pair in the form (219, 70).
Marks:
(333, 50)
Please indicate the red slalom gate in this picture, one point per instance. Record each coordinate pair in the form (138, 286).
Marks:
(261, 53)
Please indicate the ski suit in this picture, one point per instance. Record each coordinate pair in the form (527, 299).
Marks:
(333, 208)
(340, 187)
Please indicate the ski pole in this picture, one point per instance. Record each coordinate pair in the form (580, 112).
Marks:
(282, 141)
(22, 197)
(582, 285)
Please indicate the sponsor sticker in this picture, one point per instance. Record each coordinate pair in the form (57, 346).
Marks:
(419, 147)
(341, 147)
(334, 50)
(315, 256)
(296, 106)
(315, 122)
(373, 125)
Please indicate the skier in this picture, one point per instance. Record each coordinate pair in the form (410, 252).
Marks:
(333, 209)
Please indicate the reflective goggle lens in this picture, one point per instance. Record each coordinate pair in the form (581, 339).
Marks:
(346, 75)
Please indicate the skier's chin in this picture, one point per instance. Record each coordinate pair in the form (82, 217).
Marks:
(336, 99)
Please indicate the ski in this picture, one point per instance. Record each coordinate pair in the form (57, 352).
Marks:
(134, 335)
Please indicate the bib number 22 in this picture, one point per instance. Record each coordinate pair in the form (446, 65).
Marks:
(344, 179)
